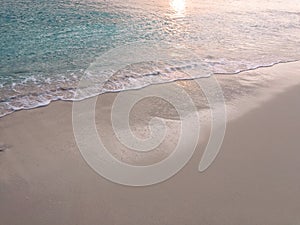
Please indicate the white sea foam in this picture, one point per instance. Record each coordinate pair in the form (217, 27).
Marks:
(29, 95)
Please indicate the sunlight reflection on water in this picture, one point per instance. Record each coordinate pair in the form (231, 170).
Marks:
(178, 6)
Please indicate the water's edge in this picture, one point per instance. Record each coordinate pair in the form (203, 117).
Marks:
(141, 87)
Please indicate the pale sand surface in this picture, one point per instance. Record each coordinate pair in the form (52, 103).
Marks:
(254, 180)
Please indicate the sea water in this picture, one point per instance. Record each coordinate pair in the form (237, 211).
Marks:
(47, 46)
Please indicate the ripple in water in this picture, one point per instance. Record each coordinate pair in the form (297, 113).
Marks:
(46, 47)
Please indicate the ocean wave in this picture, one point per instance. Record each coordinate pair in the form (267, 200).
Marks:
(32, 93)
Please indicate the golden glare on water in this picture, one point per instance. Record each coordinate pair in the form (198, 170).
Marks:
(178, 6)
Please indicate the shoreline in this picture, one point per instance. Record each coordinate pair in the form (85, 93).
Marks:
(234, 74)
(254, 179)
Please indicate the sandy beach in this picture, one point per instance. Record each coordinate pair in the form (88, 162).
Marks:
(253, 181)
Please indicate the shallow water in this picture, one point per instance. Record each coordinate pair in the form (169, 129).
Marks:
(46, 47)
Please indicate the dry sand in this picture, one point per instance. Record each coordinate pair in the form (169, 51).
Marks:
(254, 180)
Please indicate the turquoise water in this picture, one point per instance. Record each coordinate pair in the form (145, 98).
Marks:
(47, 46)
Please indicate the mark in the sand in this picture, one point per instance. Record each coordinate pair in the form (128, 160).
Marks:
(3, 147)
